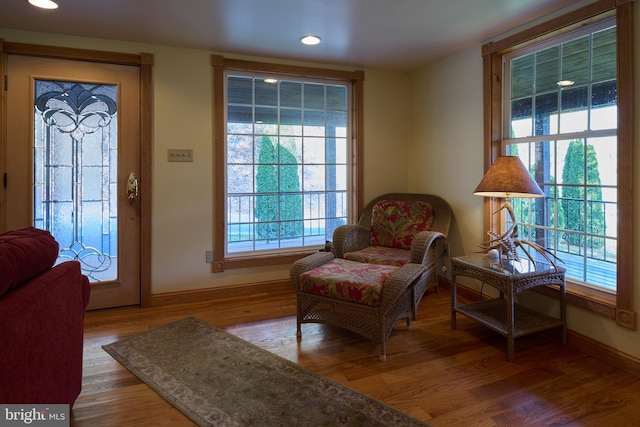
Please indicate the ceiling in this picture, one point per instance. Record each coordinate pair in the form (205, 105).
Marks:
(385, 34)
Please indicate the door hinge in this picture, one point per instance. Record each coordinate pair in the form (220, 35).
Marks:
(4, 180)
(6, 83)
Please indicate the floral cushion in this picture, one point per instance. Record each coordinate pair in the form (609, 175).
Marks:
(395, 222)
(347, 280)
(380, 255)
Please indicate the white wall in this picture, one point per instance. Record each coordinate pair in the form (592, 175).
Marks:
(446, 158)
(182, 221)
(446, 141)
(387, 121)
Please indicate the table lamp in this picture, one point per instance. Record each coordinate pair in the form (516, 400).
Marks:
(506, 178)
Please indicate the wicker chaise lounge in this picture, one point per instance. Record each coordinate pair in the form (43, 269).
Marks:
(356, 242)
(364, 286)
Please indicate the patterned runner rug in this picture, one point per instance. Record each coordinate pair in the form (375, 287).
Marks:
(217, 379)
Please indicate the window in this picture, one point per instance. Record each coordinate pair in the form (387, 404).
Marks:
(561, 120)
(74, 173)
(287, 156)
(565, 111)
(286, 160)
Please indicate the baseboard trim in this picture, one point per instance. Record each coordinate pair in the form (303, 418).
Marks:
(221, 292)
(589, 346)
(604, 353)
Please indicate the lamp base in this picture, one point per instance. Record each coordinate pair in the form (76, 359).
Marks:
(508, 243)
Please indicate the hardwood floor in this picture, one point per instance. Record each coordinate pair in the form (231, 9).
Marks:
(441, 376)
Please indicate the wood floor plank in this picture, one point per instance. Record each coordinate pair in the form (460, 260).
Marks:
(442, 376)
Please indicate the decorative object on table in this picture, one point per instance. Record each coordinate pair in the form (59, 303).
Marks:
(218, 379)
(506, 178)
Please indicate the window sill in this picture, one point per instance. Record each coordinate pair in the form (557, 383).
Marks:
(601, 303)
(263, 260)
(597, 302)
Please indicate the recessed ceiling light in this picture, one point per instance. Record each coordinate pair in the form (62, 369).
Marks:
(310, 40)
(44, 4)
(563, 83)
(271, 81)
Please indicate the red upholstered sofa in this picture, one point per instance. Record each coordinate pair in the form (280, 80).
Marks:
(41, 320)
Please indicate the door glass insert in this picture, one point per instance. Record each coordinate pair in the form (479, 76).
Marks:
(75, 172)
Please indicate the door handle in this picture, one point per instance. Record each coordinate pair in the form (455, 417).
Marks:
(132, 188)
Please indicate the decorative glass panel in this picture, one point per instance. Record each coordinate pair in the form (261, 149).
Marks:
(75, 175)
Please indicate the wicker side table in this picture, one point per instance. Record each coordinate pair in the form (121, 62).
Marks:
(502, 314)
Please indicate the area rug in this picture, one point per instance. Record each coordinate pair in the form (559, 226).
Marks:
(217, 379)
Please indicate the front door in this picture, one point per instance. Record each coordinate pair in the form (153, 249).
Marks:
(73, 160)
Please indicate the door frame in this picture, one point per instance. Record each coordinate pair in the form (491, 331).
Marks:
(145, 62)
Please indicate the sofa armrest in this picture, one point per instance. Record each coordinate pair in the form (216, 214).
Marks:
(423, 247)
(350, 238)
(42, 337)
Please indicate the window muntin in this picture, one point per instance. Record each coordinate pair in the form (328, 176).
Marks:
(287, 171)
(561, 110)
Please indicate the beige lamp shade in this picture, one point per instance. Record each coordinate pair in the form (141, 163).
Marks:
(508, 177)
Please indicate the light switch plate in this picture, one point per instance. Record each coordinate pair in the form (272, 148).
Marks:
(179, 155)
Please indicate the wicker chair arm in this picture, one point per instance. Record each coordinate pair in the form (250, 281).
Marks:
(423, 247)
(349, 238)
(398, 282)
(307, 263)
